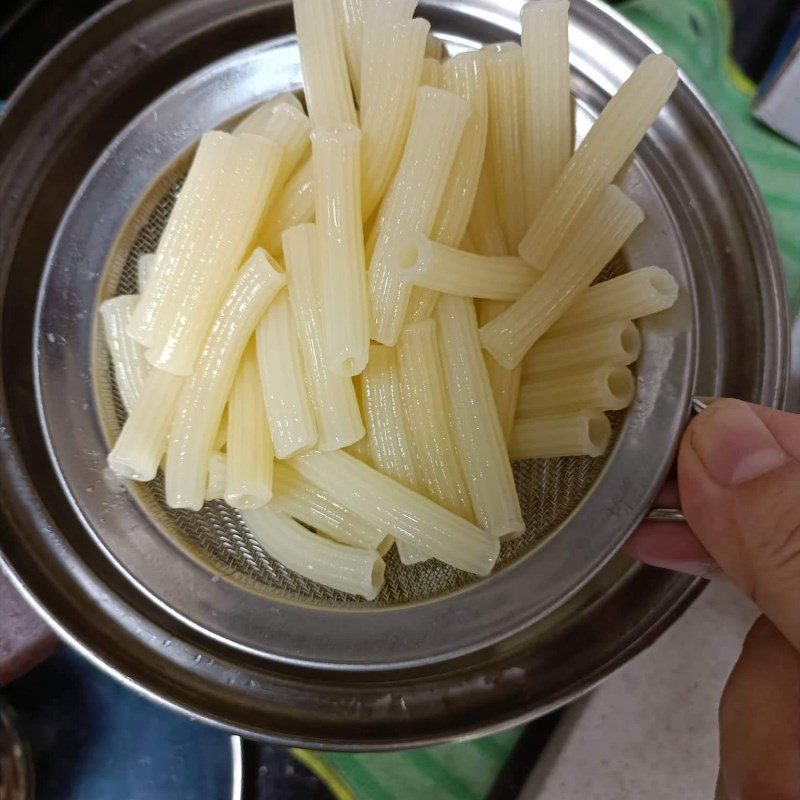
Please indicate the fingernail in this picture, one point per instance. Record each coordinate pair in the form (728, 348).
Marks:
(734, 444)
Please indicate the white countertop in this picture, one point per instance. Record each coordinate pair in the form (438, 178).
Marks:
(650, 731)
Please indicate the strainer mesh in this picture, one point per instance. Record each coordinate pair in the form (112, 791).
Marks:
(549, 490)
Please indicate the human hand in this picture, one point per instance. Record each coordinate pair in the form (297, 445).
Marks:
(739, 487)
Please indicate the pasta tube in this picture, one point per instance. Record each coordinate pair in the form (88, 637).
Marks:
(144, 268)
(337, 198)
(631, 296)
(465, 76)
(431, 73)
(617, 342)
(347, 569)
(249, 449)
(504, 382)
(391, 74)
(255, 119)
(307, 503)
(293, 206)
(548, 102)
(322, 58)
(127, 355)
(506, 116)
(182, 235)
(350, 14)
(412, 202)
(389, 446)
(338, 417)
(608, 387)
(618, 130)
(509, 336)
(289, 128)
(138, 450)
(425, 402)
(427, 527)
(217, 476)
(446, 269)
(484, 226)
(479, 437)
(583, 433)
(201, 285)
(292, 424)
(205, 393)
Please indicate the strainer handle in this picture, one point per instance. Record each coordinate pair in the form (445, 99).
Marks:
(697, 405)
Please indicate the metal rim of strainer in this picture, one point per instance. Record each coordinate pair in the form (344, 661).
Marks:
(123, 612)
(106, 209)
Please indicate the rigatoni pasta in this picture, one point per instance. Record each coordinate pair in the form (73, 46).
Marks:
(422, 384)
(608, 226)
(548, 103)
(582, 433)
(616, 342)
(249, 450)
(417, 520)
(127, 355)
(610, 141)
(242, 382)
(479, 437)
(338, 418)
(337, 198)
(412, 202)
(292, 423)
(204, 394)
(348, 569)
(608, 387)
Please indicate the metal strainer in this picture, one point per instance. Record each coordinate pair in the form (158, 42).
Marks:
(186, 604)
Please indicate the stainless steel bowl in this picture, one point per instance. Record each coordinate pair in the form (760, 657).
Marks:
(121, 101)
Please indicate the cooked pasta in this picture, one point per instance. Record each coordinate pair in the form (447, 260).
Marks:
(347, 569)
(189, 307)
(293, 206)
(205, 393)
(350, 14)
(582, 433)
(548, 102)
(308, 503)
(343, 284)
(431, 74)
(610, 141)
(630, 296)
(479, 437)
(217, 476)
(413, 202)
(391, 75)
(509, 336)
(144, 268)
(127, 355)
(447, 269)
(422, 384)
(249, 446)
(322, 57)
(464, 75)
(411, 517)
(617, 342)
(140, 445)
(505, 146)
(292, 424)
(608, 387)
(338, 417)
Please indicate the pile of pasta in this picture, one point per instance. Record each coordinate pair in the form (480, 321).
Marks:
(356, 317)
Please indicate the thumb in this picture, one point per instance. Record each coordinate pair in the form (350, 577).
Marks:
(739, 479)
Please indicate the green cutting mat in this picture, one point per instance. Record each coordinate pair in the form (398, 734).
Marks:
(697, 34)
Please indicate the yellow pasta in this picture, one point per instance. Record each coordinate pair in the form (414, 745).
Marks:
(509, 336)
(609, 387)
(582, 433)
(611, 140)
